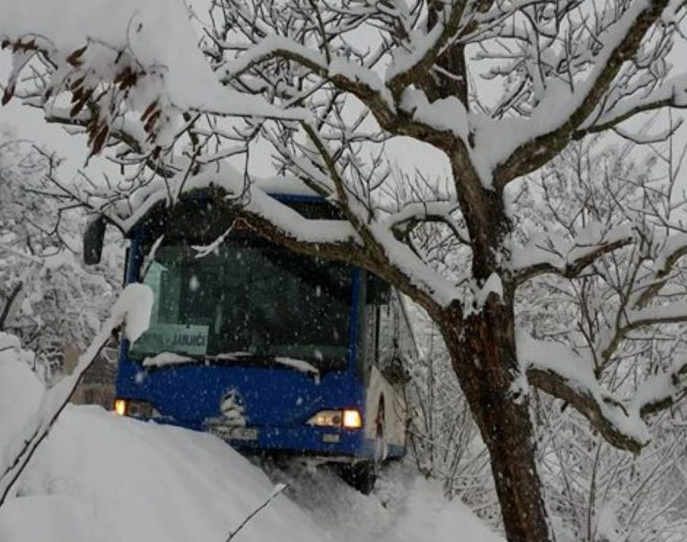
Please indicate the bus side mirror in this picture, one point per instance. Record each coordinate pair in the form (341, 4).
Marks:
(93, 238)
(378, 290)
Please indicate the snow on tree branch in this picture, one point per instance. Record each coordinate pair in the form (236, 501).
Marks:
(568, 375)
(586, 254)
(552, 124)
(565, 374)
(145, 55)
(661, 391)
(669, 93)
(413, 62)
(552, 254)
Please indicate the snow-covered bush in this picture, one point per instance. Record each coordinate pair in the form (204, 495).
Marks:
(47, 296)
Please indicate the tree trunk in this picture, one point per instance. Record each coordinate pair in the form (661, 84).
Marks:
(484, 360)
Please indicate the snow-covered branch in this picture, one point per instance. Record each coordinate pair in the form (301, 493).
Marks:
(140, 60)
(669, 93)
(566, 259)
(412, 63)
(661, 391)
(551, 126)
(568, 375)
(672, 251)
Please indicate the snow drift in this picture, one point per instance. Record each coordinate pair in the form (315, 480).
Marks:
(102, 478)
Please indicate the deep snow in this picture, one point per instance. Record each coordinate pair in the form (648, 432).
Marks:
(101, 478)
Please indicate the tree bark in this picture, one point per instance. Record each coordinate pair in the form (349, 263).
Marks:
(484, 359)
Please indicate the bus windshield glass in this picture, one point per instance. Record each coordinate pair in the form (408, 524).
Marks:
(248, 302)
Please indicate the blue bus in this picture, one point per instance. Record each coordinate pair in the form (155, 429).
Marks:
(273, 351)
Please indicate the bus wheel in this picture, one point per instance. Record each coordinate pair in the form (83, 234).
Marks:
(361, 476)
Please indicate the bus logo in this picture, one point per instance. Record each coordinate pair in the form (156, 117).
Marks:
(233, 408)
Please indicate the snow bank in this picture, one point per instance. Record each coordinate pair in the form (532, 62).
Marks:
(20, 390)
(102, 478)
(437, 519)
(54, 518)
(132, 309)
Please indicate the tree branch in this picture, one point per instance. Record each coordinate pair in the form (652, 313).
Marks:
(430, 47)
(569, 268)
(624, 39)
(672, 93)
(567, 375)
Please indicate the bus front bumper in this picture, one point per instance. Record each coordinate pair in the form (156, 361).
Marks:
(331, 443)
(307, 440)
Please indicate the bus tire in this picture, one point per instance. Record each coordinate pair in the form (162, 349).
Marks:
(361, 476)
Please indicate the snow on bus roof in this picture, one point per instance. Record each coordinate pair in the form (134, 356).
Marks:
(142, 203)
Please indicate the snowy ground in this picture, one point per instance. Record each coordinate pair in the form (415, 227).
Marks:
(100, 478)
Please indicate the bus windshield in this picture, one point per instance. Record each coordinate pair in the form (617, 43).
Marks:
(250, 302)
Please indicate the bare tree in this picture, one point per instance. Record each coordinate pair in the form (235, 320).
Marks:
(325, 85)
(48, 297)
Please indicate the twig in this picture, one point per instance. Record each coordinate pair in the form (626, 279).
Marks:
(277, 490)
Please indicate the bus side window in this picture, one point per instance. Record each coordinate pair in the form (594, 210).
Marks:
(377, 299)
(387, 342)
(369, 350)
(378, 291)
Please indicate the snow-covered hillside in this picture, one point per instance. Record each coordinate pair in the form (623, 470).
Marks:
(101, 478)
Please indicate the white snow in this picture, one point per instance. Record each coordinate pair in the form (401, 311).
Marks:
(99, 477)
(662, 386)
(493, 285)
(290, 222)
(132, 310)
(446, 114)
(420, 43)
(166, 358)
(20, 390)
(298, 364)
(103, 478)
(496, 140)
(558, 251)
(155, 37)
(403, 508)
(117, 479)
(359, 74)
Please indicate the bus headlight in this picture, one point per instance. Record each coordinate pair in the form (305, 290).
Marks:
(134, 407)
(121, 406)
(348, 418)
(352, 419)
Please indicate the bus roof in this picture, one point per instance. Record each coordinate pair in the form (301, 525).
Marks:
(204, 209)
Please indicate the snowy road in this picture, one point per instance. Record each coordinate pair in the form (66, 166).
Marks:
(403, 508)
(100, 478)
